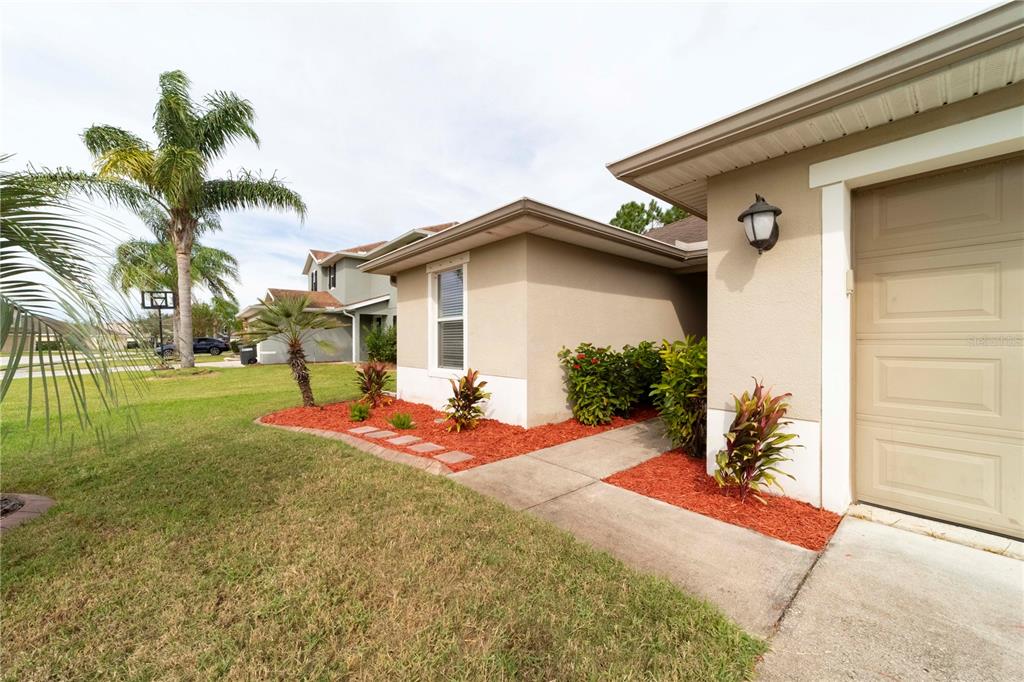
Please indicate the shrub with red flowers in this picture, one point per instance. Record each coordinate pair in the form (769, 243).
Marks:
(588, 382)
(602, 383)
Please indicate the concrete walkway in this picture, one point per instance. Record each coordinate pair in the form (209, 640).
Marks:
(887, 604)
(880, 603)
(751, 577)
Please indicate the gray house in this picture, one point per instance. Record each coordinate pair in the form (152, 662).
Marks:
(337, 287)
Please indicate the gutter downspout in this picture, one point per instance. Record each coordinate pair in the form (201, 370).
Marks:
(355, 334)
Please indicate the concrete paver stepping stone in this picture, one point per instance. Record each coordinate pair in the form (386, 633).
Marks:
(404, 440)
(523, 481)
(750, 576)
(363, 429)
(454, 457)
(426, 447)
(380, 434)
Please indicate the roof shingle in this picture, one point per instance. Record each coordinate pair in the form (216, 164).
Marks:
(690, 229)
(317, 299)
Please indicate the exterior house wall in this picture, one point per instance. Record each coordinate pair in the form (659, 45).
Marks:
(338, 348)
(355, 285)
(765, 312)
(527, 296)
(495, 330)
(576, 295)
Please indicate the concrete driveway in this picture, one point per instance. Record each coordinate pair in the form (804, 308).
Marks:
(887, 604)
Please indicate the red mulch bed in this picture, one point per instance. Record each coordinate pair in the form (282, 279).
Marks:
(488, 442)
(683, 481)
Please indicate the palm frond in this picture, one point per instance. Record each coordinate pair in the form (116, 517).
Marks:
(136, 164)
(100, 139)
(179, 173)
(228, 118)
(288, 320)
(115, 191)
(140, 264)
(47, 272)
(174, 120)
(249, 190)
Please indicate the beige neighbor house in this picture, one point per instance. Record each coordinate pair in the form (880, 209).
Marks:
(892, 305)
(360, 302)
(504, 292)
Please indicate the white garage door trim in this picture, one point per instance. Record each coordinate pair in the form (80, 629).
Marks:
(974, 140)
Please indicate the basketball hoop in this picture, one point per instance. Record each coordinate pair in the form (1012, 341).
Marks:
(158, 301)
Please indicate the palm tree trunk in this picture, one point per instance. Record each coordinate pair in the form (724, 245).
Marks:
(297, 360)
(176, 325)
(184, 261)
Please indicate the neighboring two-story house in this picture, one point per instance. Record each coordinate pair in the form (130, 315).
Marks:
(336, 286)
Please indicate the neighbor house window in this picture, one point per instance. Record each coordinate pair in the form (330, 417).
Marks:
(312, 280)
(451, 332)
(332, 276)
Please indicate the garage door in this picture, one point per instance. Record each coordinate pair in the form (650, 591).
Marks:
(939, 425)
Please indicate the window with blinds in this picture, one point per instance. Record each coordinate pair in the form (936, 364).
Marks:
(451, 347)
(312, 280)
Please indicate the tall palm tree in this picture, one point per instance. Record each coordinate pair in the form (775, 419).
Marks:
(173, 176)
(49, 292)
(143, 264)
(287, 320)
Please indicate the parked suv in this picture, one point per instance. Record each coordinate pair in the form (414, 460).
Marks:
(201, 345)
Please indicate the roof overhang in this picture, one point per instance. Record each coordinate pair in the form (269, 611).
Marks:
(528, 216)
(398, 242)
(978, 55)
(358, 305)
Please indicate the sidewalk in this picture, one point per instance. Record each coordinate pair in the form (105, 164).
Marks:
(751, 577)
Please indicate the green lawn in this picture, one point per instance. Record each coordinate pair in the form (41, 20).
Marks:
(140, 359)
(211, 547)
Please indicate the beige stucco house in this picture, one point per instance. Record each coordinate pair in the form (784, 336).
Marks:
(503, 292)
(892, 305)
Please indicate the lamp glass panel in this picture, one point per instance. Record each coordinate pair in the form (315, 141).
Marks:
(748, 227)
(763, 223)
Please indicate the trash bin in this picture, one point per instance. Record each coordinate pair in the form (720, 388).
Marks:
(247, 354)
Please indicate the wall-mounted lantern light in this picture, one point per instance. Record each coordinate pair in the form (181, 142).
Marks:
(760, 225)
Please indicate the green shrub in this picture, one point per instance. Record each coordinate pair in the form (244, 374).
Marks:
(402, 420)
(642, 366)
(465, 407)
(382, 344)
(49, 345)
(601, 383)
(235, 345)
(588, 381)
(681, 393)
(755, 445)
(371, 378)
(359, 412)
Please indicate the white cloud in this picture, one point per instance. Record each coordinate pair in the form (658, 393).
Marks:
(387, 117)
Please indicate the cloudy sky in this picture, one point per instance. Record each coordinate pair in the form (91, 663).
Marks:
(386, 117)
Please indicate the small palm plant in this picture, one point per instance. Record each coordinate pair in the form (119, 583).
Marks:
(287, 320)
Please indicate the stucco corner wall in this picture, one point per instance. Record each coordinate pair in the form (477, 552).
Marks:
(576, 295)
(764, 312)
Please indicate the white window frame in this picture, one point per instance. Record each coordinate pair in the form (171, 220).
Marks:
(460, 262)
